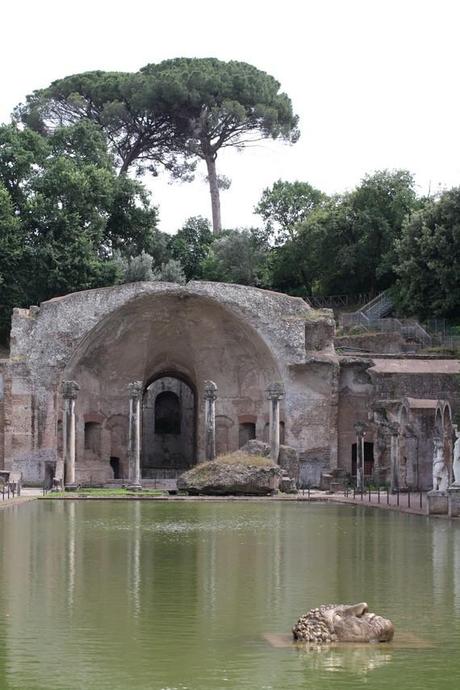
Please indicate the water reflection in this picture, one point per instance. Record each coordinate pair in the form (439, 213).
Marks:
(446, 559)
(145, 595)
(71, 555)
(356, 660)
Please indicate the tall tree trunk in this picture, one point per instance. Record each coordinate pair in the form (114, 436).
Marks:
(215, 195)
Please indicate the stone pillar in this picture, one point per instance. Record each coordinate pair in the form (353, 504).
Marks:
(210, 396)
(360, 429)
(394, 457)
(134, 433)
(275, 393)
(69, 393)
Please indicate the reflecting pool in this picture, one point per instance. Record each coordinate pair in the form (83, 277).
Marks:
(198, 595)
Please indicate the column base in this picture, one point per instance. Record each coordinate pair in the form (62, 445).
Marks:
(134, 487)
(72, 487)
(453, 493)
(437, 502)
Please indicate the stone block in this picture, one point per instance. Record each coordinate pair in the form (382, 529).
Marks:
(288, 459)
(312, 464)
(255, 447)
(437, 502)
(453, 493)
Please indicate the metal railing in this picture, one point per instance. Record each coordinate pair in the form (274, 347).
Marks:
(335, 301)
(409, 499)
(409, 329)
(10, 489)
(377, 308)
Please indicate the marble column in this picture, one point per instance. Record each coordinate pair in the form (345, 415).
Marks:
(134, 433)
(69, 393)
(275, 393)
(360, 429)
(210, 396)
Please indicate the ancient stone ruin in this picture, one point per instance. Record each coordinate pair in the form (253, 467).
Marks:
(140, 382)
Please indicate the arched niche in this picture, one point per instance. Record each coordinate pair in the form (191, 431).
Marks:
(168, 425)
(192, 337)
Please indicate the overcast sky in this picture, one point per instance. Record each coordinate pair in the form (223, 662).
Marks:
(375, 82)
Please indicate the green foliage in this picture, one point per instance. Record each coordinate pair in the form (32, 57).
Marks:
(428, 256)
(217, 104)
(95, 493)
(11, 253)
(346, 244)
(170, 272)
(238, 256)
(125, 106)
(135, 269)
(169, 113)
(286, 204)
(191, 245)
(65, 211)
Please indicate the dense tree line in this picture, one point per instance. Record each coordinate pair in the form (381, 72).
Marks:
(69, 222)
(64, 214)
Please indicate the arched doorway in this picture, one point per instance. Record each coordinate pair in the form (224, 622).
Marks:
(368, 459)
(168, 427)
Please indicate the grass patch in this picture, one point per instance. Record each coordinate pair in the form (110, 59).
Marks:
(240, 458)
(104, 493)
(211, 469)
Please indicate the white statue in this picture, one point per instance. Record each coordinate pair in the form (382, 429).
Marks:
(456, 462)
(440, 470)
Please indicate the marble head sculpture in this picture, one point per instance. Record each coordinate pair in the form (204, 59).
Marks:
(342, 623)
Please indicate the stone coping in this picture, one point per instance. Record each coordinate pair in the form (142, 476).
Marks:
(316, 496)
(10, 502)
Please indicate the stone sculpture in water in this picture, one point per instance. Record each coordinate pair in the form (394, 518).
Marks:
(342, 623)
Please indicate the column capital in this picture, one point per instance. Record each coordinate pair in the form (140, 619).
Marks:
(360, 428)
(135, 389)
(210, 390)
(70, 390)
(275, 391)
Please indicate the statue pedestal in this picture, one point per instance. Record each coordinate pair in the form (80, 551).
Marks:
(437, 502)
(454, 500)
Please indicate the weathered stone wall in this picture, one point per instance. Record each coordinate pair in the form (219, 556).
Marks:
(365, 381)
(356, 393)
(382, 343)
(241, 338)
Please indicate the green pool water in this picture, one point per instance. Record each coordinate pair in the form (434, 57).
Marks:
(129, 595)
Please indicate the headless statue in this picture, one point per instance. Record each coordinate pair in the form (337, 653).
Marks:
(440, 471)
(456, 462)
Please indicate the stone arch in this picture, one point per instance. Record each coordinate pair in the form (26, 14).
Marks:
(438, 420)
(447, 436)
(168, 424)
(192, 338)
